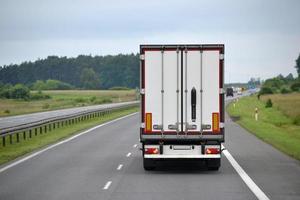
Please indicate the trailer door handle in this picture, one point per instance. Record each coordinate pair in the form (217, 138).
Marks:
(193, 103)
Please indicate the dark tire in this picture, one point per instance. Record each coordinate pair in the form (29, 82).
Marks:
(149, 164)
(213, 164)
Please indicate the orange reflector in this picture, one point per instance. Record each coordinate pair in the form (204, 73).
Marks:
(215, 122)
(148, 124)
(212, 151)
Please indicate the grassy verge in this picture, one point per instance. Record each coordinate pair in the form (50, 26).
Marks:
(273, 125)
(64, 99)
(15, 150)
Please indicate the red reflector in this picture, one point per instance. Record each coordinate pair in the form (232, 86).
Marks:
(212, 151)
(151, 151)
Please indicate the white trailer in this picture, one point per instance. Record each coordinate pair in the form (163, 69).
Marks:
(182, 103)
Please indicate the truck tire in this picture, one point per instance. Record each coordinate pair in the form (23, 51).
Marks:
(213, 164)
(149, 164)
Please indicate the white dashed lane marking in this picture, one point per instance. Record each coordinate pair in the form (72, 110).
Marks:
(106, 186)
(120, 167)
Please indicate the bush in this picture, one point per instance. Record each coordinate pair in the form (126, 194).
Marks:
(6, 111)
(266, 90)
(5, 92)
(19, 91)
(46, 106)
(269, 103)
(297, 120)
(295, 87)
(80, 100)
(51, 84)
(285, 91)
(39, 96)
(93, 98)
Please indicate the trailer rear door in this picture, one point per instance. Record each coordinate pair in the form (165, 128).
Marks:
(182, 88)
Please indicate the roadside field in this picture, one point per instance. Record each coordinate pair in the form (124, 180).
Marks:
(276, 125)
(288, 104)
(65, 99)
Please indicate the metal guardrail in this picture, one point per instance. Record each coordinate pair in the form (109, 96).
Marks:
(46, 125)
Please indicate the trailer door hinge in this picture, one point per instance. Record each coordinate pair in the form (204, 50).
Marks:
(142, 125)
(221, 56)
(142, 56)
(142, 91)
(222, 91)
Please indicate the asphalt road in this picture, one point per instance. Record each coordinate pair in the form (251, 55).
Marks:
(106, 163)
(12, 121)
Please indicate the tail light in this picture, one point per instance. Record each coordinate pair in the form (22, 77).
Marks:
(212, 150)
(215, 122)
(151, 150)
(148, 125)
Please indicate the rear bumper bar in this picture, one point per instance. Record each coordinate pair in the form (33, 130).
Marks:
(161, 156)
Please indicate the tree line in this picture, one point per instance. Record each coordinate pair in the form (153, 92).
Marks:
(84, 71)
(281, 84)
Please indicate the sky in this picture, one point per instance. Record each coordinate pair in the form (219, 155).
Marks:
(261, 37)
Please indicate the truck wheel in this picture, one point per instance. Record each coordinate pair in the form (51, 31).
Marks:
(149, 164)
(213, 164)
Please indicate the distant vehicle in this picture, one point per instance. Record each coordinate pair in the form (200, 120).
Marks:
(182, 103)
(229, 92)
(239, 91)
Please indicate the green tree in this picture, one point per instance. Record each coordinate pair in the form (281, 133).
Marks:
(89, 79)
(39, 85)
(298, 65)
(119, 70)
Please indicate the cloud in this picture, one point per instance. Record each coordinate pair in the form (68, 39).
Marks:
(261, 37)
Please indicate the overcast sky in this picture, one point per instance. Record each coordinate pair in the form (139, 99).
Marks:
(262, 38)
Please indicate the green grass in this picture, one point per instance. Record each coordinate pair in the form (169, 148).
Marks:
(10, 152)
(64, 99)
(274, 126)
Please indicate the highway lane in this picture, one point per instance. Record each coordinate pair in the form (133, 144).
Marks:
(88, 167)
(29, 118)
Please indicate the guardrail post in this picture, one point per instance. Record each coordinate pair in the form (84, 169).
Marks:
(18, 138)
(10, 139)
(50, 127)
(41, 130)
(30, 133)
(24, 135)
(3, 141)
(35, 131)
(45, 128)
(54, 125)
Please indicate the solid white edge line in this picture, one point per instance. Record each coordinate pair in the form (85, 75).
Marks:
(128, 155)
(249, 182)
(120, 167)
(106, 186)
(59, 143)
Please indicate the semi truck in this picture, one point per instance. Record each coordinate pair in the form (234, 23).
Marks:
(182, 103)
